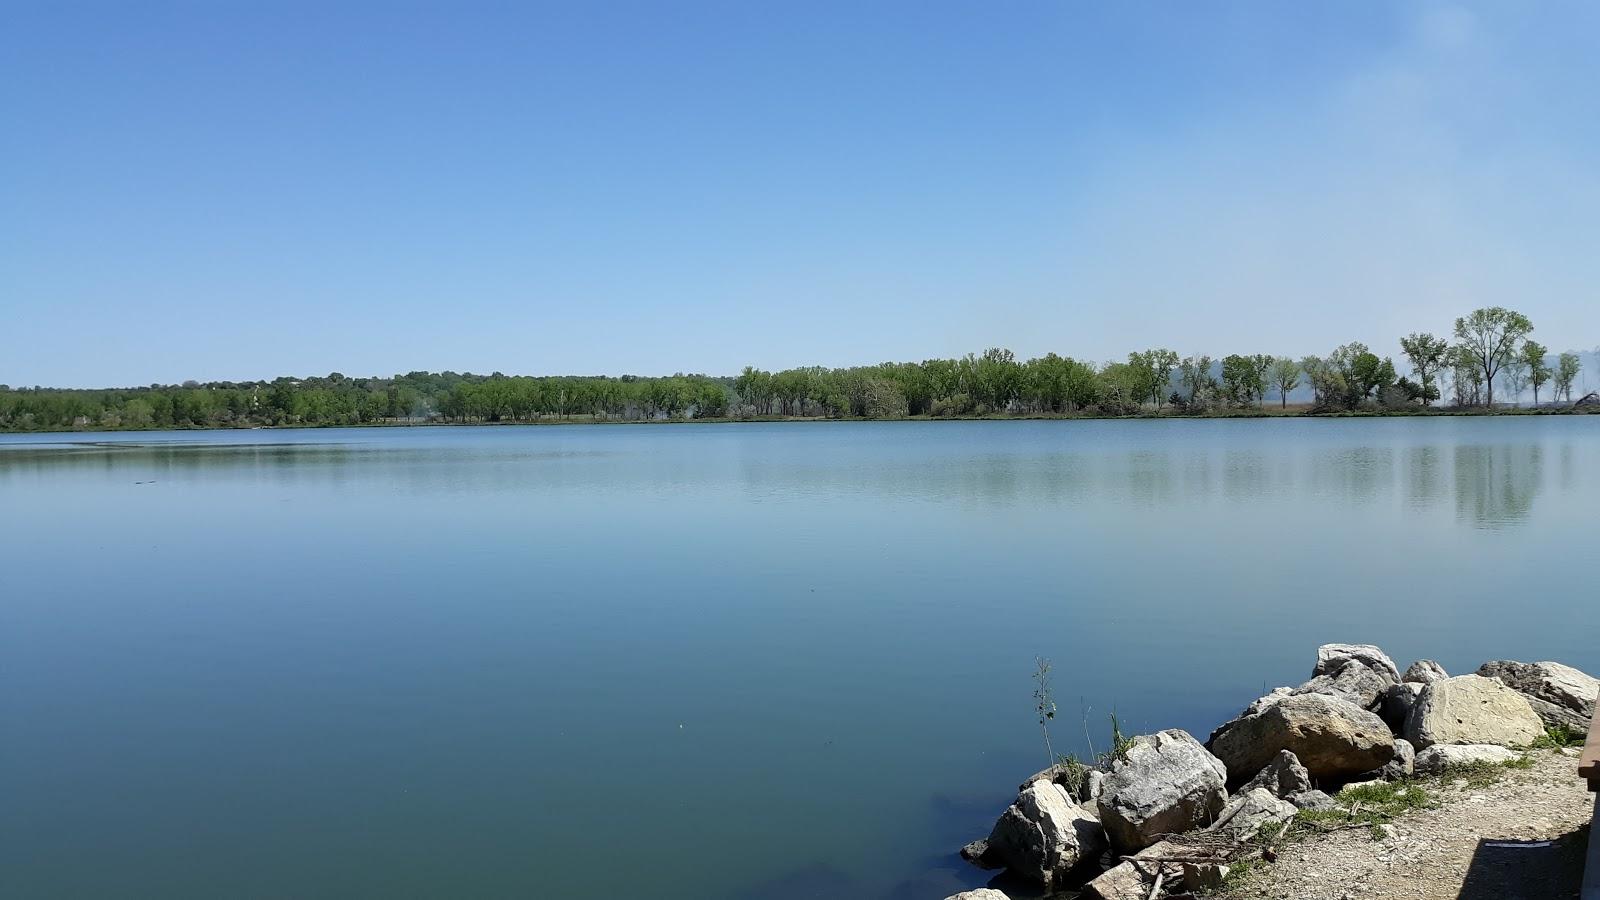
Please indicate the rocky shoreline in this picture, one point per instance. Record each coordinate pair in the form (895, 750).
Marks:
(1164, 815)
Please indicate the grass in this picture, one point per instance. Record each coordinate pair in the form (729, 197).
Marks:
(1557, 736)
(1376, 804)
(1483, 773)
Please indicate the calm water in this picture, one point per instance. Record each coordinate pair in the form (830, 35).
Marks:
(718, 661)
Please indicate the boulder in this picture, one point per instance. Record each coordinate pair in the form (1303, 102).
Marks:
(1561, 695)
(1436, 759)
(1403, 764)
(1247, 812)
(1044, 835)
(979, 894)
(1351, 679)
(1471, 709)
(1205, 876)
(978, 854)
(1132, 879)
(1396, 705)
(1093, 785)
(1332, 738)
(1331, 656)
(1423, 671)
(1311, 800)
(1162, 783)
(1282, 777)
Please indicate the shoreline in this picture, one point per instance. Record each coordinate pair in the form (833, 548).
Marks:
(1359, 752)
(730, 420)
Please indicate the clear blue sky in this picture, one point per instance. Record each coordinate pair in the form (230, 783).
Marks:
(241, 190)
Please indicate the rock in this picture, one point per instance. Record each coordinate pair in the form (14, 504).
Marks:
(1385, 832)
(1357, 785)
(1311, 800)
(1331, 656)
(1332, 738)
(1471, 709)
(979, 894)
(1397, 702)
(1403, 764)
(1436, 759)
(1561, 695)
(1123, 881)
(1132, 879)
(1283, 776)
(1093, 786)
(1204, 876)
(1423, 671)
(1163, 783)
(1044, 835)
(1353, 680)
(978, 854)
(1246, 813)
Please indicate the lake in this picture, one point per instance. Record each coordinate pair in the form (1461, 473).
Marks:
(701, 661)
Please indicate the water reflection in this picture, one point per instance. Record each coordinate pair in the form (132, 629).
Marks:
(1495, 486)
(1488, 485)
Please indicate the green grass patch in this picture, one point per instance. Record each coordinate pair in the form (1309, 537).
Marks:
(1557, 736)
(1369, 804)
(1484, 773)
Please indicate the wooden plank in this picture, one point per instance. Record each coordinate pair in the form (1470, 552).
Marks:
(1589, 760)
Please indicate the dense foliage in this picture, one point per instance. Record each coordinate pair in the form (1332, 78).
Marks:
(337, 400)
(1491, 348)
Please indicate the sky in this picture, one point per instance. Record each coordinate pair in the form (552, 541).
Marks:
(243, 190)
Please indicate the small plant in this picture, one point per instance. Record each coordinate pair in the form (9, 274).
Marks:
(1557, 736)
(1044, 703)
(1119, 741)
(1073, 773)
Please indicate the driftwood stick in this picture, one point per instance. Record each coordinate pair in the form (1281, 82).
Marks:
(1155, 889)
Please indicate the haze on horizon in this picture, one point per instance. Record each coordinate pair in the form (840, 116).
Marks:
(211, 191)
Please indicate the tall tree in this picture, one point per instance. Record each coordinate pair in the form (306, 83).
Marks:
(1567, 368)
(1490, 336)
(1533, 354)
(1427, 354)
(1285, 377)
(1195, 373)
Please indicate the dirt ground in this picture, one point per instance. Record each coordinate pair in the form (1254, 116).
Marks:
(1481, 843)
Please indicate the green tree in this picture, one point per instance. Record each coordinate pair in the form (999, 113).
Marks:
(1489, 337)
(1195, 374)
(1533, 354)
(1567, 367)
(1285, 377)
(1427, 354)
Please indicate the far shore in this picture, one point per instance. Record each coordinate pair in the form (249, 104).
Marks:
(1292, 411)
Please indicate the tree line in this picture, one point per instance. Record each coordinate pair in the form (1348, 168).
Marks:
(338, 400)
(1489, 349)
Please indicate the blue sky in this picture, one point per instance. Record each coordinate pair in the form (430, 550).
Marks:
(241, 190)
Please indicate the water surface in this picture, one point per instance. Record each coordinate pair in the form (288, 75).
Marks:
(722, 661)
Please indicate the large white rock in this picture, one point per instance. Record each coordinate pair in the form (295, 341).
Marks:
(1044, 835)
(1246, 813)
(1164, 783)
(1282, 777)
(1332, 656)
(1423, 671)
(1471, 709)
(1436, 759)
(979, 894)
(1560, 694)
(1332, 738)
